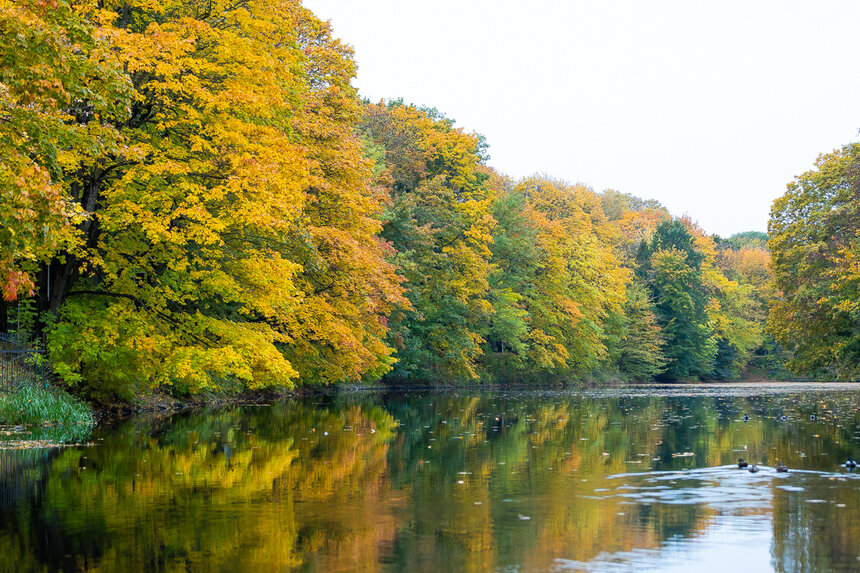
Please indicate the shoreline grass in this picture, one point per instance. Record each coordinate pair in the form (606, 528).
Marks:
(33, 405)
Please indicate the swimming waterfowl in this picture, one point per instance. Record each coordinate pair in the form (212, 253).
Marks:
(850, 464)
(781, 468)
(753, 469)
(741, 463)
(746, 418)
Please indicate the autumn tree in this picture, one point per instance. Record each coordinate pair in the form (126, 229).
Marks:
(616, 204)
(555, 281)
(586, 284)
(192, 196)
(227, 235)
(61, 96)
(814, 245)
(742, 260)
(636, 221)
(439, 221)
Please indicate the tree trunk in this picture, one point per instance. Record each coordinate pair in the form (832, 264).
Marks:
(64, 274)
(62, 278)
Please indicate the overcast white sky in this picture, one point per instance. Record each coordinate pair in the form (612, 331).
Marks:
(709, 107)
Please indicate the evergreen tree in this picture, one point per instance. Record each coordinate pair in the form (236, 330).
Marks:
(641, 349)
(673, 272)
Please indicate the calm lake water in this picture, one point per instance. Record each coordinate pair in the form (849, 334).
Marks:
(459, 481)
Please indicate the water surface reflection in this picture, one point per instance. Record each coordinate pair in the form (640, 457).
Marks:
(449, 481)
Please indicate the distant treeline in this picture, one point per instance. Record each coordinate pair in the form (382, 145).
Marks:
(193, 196)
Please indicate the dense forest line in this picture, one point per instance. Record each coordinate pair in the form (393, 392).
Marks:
(194, 197)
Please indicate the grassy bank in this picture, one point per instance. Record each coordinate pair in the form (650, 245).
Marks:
(34, 405)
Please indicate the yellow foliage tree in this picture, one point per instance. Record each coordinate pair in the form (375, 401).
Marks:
(231, 239)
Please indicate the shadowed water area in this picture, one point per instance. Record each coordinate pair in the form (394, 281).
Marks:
(460, 481)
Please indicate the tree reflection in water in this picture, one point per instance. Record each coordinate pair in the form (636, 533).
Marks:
(457, 481)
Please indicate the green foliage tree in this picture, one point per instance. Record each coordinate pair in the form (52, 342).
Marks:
(738, 320)
(640, 352)
(555, 284)
(517, 255)
(439, 222)
(747, 239)
(815, 246)
(679, 303)
(671, 266)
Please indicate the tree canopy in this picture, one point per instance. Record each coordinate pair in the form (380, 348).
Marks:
(194, 197)
(814, 231)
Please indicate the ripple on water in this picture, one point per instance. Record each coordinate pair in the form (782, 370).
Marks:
(724, 487)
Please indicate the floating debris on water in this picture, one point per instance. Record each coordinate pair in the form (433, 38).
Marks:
(40, 444)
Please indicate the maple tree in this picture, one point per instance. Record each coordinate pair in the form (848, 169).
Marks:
(60, 92)
(228, 237)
